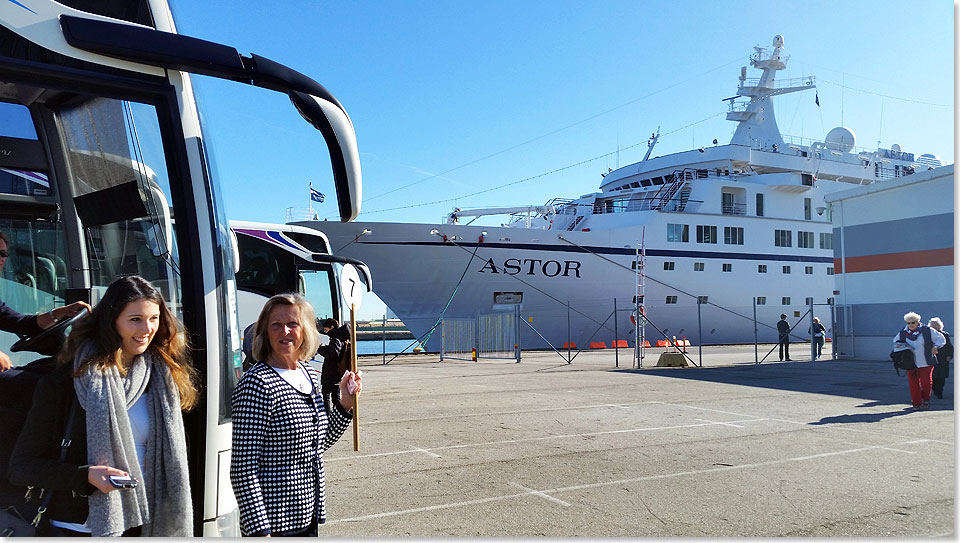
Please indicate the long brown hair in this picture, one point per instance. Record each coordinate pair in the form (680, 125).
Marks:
(170, 342)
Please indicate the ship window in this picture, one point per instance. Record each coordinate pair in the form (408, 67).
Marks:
(761, 300)
(807, 301)
(782, 238)
(657, 180)
(702, 299)
(761, 268)
(786, 269)
(728, 267)
(759, 204)
(645, 182)
(785, 300)
(806, 209)
(671, 299)
(706, 233)
(830, 270)
(701, 174)
(804, 239)
(678, 232)
(698, 266)
(635, 302)
(733, 235)
(668, 266)
(808, 270)
(635, 185)
(826, 240)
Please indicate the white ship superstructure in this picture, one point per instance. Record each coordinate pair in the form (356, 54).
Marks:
(720, 226)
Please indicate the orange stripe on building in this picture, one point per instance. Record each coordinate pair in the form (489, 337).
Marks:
(896, 261)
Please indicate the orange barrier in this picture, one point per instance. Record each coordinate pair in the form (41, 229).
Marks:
(620, 343)
(646, 343)
(569, 345)
(598, 345)
(828, 339)
(661, 343)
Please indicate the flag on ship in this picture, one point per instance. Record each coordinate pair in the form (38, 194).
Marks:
(316, 195)
(818, 99)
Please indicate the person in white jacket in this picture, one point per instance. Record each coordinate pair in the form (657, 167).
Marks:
(924, 341)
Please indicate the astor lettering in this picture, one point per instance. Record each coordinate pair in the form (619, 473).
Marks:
(534, 266)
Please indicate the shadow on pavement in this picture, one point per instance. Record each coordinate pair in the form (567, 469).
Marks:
(875, 381)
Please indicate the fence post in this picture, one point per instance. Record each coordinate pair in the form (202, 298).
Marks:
(477, 338)
(833, 329)
(699, 330)
(813, 340)
(569, 339)
(756, 337)
(616, 335)
(384, 338)
(516, 323)
(442, 339)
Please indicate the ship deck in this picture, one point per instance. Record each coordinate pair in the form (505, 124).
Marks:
(549, 449)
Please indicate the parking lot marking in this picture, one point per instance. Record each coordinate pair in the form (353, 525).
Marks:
(586, 486)
(499, 413)
(541, 438)
(723, 423)
(540, 494)
(882, 447)
(425, 451)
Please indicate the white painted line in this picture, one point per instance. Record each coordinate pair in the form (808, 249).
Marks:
(881, 447)
(425, 451)
(605, 483)
(540, 494)
(718, 422)
(540, 438)
(618, 406)
(499, 413)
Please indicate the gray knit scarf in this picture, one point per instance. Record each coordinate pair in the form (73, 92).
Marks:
(161, 503)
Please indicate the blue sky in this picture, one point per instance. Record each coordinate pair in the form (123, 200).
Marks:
(451, 98)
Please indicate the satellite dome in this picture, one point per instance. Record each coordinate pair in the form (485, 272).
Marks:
(778, 41)
(895, 147)
(841, 139)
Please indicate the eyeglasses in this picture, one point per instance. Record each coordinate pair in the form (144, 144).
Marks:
(3, 254)
(913, 322)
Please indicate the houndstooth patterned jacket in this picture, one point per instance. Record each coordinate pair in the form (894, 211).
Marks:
(279, 435)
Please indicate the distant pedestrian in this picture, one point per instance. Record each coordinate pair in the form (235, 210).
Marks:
(925, 342)
(333, 359)
(818, 335)
(944, 356)
(783, 328)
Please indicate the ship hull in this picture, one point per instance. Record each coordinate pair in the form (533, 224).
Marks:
(567, 284)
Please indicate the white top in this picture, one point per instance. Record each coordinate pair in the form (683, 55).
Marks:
(140, 424)
(297, 378)
(918, 344)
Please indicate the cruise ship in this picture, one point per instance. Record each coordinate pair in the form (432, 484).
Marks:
(711, 244)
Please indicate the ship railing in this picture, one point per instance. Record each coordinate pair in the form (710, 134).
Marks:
(734, 209)
(738, 107)
(301, 214)
(807, 81)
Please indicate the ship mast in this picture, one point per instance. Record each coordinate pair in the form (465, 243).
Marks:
(758, 123)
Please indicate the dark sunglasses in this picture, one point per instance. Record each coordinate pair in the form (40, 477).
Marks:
(4, 254)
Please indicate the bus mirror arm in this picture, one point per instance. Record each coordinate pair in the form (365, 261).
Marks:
(315, 103)
(361, 267)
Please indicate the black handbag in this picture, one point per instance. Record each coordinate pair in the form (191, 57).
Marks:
(12, 522)
(903, 360)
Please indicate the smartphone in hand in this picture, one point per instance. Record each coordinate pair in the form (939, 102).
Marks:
(123, 481)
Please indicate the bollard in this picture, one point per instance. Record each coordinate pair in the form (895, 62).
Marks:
(473, 354)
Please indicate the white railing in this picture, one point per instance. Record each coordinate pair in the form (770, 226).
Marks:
(808, 81)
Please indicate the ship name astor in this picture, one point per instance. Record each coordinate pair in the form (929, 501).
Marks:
(533, 266)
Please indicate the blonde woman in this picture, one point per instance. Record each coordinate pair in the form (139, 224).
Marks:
(280, 425)
(924, 342)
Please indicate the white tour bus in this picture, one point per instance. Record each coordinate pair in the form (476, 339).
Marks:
(276, 258)
(104, 172)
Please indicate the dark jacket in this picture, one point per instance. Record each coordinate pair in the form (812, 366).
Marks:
(18, 323)
(944, 355)
(35, 457)
(784, 328)
(927, 344)
(331, 353)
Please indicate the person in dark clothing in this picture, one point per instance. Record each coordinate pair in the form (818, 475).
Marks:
(819, 332)
(29, 325)
(332, 354)
(783, 328)
(944, 356)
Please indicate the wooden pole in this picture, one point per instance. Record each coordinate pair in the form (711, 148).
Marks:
(353, 368)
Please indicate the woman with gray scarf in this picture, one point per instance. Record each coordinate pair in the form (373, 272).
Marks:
(126, 372)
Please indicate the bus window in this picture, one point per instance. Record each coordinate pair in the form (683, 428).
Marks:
(15, 122)
(318, 286)
(34, 277)
(118, 170)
